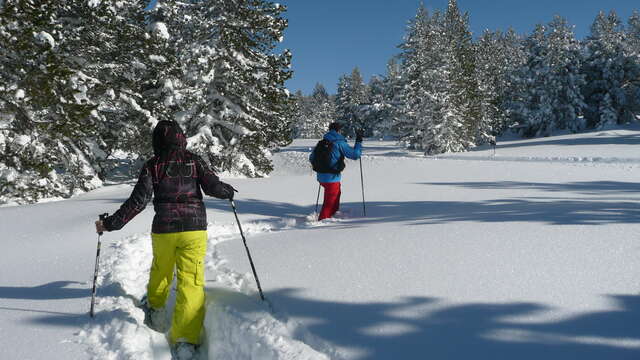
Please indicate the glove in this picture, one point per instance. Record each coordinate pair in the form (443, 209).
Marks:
(100, 228)
(227, 191)
(359, 134)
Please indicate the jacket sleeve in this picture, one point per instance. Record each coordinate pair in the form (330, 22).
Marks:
(209, 181)
(352, 153)
(137, 201)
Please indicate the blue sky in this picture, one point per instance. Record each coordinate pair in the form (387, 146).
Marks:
(328, 38)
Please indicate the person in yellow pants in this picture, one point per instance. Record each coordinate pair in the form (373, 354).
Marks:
(175, 178)
(186, 250)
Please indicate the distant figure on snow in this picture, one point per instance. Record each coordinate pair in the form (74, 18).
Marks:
(492, 142)
(327, 160)
(176, 179)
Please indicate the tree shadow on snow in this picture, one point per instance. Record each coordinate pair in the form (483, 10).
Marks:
(580, 187)
(549, 210)
(597, 140)
(466, 331)
(556, 212)
(59, 290)
(56, 290)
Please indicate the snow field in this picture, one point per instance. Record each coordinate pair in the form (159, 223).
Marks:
(456, 259)
(463, 257)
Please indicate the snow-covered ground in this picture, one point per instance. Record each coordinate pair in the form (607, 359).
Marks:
(526, 254)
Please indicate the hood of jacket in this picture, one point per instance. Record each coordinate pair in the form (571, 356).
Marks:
(334, 136)
(168, 136)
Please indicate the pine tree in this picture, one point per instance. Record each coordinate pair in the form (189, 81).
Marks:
(565, 61)
(535, 101)
(632, 50)
(344, 110)
(110, 43)
(440, 104)
(323, 110)
(498, 57)
(462, 63)
(374, 112)
(49, 135)
(315, 113)
(633, 34)
(606, 68)
(390, 111)
(300, 115)
(230, 96)
(351, 97)
(551, 86)
(415, 108)
(81, 79)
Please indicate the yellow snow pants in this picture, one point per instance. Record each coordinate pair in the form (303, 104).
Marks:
(185, 250)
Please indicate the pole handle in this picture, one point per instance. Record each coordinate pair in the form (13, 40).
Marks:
(102, 217)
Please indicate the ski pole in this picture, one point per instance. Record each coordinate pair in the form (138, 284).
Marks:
(95, 272)
(364, 208)
(244, 240)
(318, 198)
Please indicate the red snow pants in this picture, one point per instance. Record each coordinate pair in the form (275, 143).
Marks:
(331, 202)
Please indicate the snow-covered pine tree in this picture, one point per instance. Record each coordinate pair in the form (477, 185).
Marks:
(565, 61)
(299, 115)
(498, 56)
(49, 132)
(343, 103)
(393, 84)
(373, 113)
(421, 62)
(440, 104)
(632, 50)
(552, 81)
(606, 69)
(111, 42)
(351, 95)
(633, 34)
(230, 97)
(464, 88)
(407, 126)
(534, 107)
(315, 113)
(323, 111)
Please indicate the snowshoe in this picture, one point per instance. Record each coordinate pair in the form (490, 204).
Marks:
(156, 319)
(184, 351)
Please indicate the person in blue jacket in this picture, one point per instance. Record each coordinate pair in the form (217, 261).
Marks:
(330, 181)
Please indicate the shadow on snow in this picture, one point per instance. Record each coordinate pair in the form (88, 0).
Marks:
(458, 331)
(581, 187)
(597, 140)
(611, 205)
(59, 290)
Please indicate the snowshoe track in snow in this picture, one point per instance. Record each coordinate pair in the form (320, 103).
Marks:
(237, 325)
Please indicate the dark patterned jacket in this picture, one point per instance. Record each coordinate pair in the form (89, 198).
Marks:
(176, 179)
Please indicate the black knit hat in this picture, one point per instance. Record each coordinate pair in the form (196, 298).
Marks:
(335, 126)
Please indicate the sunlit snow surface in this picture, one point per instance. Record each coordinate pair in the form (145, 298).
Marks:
(527, 253)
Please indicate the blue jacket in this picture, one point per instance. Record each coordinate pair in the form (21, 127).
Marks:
(340, 147)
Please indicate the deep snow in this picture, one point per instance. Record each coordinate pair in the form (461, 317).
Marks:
(527, 254)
